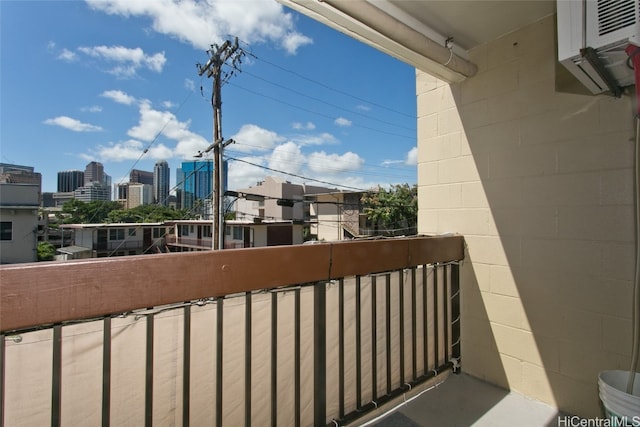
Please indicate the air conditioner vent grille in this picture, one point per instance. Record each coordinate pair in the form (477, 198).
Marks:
(614, 15)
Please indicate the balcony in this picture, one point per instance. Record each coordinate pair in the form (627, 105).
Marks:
(293, 335)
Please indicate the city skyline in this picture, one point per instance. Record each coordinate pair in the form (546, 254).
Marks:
(123, 90)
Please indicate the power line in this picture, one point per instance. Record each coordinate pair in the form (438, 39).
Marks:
(157, 135)
(327, 103)
(364, 173)
(320, 114)
(329, 87)
(295, 175)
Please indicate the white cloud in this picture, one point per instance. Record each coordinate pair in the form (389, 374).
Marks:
(130, 150)
(128, 60)
(243, 175)
(362, 107)
(189, 84)
(153, 122)
(72, 124)
(92, 109)
(287, 157)
(200, 22)
(342, 122)
(168, 104)
(293, 41)
(303, 126)
(67, 55)
(322, 162)
(412, 157)
(318, 139)
(118, 96)
(252, 138)
(391, 162)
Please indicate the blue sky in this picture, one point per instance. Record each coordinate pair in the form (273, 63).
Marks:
(115, 81)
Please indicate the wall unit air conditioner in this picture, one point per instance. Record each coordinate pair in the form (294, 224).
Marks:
(592, 37)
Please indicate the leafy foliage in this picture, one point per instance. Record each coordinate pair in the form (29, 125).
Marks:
(96, 212)
(148, 213)
(393, 211)
(78, 212)
(46, 251)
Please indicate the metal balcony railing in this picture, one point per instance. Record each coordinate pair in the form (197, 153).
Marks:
(290, 335)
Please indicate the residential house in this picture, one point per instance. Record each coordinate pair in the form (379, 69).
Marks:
(118, 239)
(195, 235)
(336, 215)
(264, 200)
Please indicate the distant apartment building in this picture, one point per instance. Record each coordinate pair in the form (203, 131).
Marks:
(18, 174)
(140, 194)
(92, 192)
(161, 183)
(137, 176)
(93, 172)
(269, 205)
(19, 205)
(107, 240)
(68, 181)
(337, 215)
(12, 168)
(195, 235)
(47, 200)
(97, 184)
(59, 199)
(131, 195)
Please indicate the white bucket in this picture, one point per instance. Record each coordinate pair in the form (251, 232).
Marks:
(617, 402)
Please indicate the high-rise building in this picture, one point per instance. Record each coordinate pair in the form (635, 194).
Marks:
(9, 168)
(161, 178)
(94, 172)
(139, 194)
(70, 180)
(92, 191)
(196, 183)
(18, 174)
(97, 184)
(141, 177)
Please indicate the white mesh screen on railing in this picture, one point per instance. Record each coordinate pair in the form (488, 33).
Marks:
(28, 369)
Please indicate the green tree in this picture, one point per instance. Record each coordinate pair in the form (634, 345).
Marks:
(95, 212)
(394, 211)
(77, 212)
(148, 213)
(46, 251)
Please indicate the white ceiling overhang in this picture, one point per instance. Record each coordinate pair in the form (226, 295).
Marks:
(416, 31)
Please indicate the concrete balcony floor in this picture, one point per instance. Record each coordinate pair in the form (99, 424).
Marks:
(462, 400)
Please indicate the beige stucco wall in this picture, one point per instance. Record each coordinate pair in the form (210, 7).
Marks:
(540, 183)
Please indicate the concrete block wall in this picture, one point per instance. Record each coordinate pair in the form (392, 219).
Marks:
(540, 183)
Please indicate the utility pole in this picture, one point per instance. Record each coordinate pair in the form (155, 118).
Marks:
(218, 56)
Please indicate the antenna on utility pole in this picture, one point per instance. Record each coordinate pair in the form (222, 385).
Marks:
(218, 56)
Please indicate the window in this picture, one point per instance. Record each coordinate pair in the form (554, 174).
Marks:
(6, 230)
(237, 233)
(184, 230)
(116, 234)
(158, 233)
(206, 231)
(132, 232)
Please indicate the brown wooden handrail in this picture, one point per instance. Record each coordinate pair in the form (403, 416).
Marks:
(38, 294)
